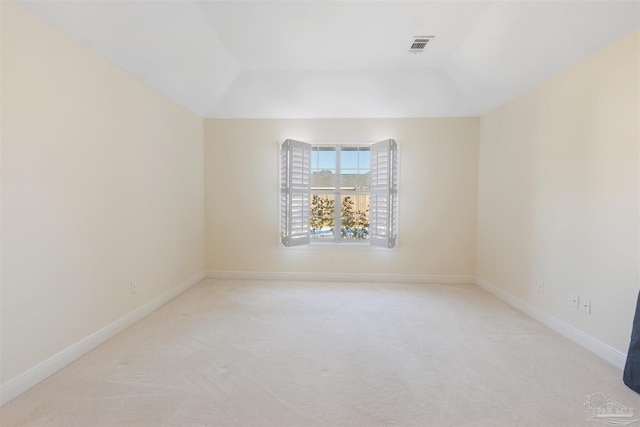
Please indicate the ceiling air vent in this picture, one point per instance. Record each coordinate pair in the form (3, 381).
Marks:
(420, 43)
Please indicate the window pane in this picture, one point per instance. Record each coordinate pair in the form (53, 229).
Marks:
(354, 169)
(322, 216)
(323, 180)
(355, 158)
(354, 216)
(364, 158)
(323, 168)
(355, 180)
(325, 158)
(349, 158)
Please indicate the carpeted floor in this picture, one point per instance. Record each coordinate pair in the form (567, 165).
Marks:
(251, 353)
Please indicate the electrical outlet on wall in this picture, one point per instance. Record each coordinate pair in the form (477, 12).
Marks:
(585, 305)
(574, 300)
(133, 287)
(541, 287)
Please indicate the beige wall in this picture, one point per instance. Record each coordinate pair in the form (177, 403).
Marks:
(437, 211)
(102, 184)
(559, 193)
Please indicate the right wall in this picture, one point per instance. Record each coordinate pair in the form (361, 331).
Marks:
(558, 193)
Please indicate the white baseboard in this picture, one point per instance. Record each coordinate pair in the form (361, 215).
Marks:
(608, 353)
(33, 376)
(24, 382)
(342, 277)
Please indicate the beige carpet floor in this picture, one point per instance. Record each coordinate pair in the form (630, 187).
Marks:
(263, 353)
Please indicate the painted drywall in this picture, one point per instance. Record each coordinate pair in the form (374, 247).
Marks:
(437, 196)
(102, 184)
(559, 193)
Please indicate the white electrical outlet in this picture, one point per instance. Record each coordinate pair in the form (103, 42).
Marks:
(585, 305)
(574, 300)
(333, 258)
(541, 287)
(134, 287)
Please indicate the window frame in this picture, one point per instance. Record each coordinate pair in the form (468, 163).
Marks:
(386, 191)
(338, 193)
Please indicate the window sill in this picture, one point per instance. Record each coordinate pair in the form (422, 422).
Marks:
(326, 246)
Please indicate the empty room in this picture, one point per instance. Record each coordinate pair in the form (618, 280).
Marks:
(319, 213)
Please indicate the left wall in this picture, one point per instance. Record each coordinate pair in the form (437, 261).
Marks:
(102, 185)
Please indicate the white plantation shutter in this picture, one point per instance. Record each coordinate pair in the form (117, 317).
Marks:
(384, 193)
(295, 192)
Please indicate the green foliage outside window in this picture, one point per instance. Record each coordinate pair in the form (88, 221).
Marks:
(322, 209)
(354, 224)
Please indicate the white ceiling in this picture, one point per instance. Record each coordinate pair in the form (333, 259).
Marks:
(306, 59)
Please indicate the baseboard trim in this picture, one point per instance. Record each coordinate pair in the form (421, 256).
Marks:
(24, 382)
(39, 373)
(606, 352)
(343, 277)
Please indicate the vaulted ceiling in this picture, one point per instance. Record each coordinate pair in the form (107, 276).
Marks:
(307, 59)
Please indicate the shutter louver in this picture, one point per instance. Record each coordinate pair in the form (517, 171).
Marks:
(384, 193)
(295, 192)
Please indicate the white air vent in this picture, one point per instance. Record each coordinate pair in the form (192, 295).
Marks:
(420, 43)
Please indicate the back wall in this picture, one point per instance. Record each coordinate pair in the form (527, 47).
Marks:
(437, 196)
